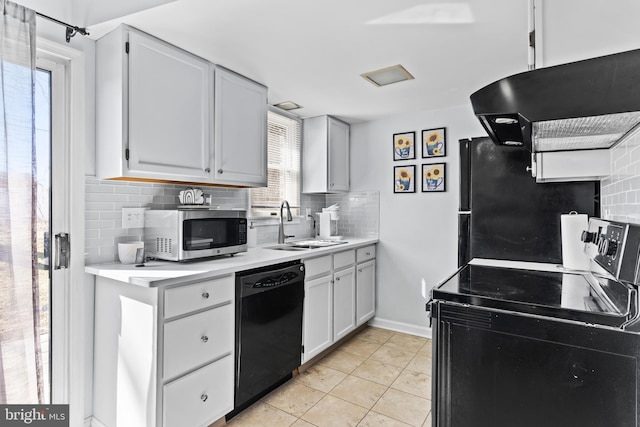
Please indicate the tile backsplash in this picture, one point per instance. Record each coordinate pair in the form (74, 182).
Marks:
(620, 192)
(104, 201)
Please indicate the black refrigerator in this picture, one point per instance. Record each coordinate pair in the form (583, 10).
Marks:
(504, 214)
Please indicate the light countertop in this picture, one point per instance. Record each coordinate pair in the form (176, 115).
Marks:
(166, 273)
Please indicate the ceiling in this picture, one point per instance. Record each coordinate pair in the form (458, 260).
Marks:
(313, 52)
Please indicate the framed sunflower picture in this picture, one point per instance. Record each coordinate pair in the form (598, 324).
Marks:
(434, 142)
(404, 179)
(404, 146)
(433, 178)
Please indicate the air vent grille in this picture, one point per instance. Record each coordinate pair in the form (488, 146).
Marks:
(164, 245)
(583, 133)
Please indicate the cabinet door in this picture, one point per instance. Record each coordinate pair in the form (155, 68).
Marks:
(344, 303)
(240, 130)
(318, 314)
(169, 109)
(201, 397)
(365, 291)
(338, 155)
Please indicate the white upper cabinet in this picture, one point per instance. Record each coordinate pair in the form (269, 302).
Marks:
(572, 30)
(169, 108)
(240, 130)
(160, 116)
(325, 155)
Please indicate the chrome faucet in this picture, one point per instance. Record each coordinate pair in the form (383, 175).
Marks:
(281, 235)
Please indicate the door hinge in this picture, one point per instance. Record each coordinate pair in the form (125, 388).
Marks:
(126, 154)
(532, 38)
(63, 249)
(126, 47)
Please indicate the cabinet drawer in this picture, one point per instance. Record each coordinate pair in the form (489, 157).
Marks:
(196, 339)
(317, 266)
(366, 253)
(200, 397)
(184, 299)
(344, 259)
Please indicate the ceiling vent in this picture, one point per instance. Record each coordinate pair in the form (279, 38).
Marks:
(288, 105)
(387, 76)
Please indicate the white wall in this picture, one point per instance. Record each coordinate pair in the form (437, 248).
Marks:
(418, 231)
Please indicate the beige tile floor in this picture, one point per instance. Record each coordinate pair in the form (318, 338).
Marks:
(377, 378)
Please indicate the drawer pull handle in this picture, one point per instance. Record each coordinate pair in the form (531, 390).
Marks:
(205, 295)
(204, 397)
(204, 338)
(368, 253)
(337, 279)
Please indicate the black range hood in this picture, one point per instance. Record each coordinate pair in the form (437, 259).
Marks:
(590, 104)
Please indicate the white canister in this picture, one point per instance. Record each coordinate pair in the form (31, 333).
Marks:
(127, 252)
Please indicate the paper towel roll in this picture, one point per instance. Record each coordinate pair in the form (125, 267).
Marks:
(325, 225)
(573, 256)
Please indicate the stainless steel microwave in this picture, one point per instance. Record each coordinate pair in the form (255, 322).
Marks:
(187, 234)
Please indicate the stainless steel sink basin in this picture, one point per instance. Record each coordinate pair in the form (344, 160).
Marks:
(286, 247)
(303, 245)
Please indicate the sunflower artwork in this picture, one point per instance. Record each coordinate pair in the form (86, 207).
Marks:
(433, 178)
(404, 146)
(404, 179)
(434, 142)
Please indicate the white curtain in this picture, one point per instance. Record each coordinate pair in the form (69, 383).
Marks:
(21, 363)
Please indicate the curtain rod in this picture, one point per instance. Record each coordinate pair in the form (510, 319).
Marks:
(72, 30)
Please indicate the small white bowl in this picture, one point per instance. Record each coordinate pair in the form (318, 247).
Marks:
(127, 251)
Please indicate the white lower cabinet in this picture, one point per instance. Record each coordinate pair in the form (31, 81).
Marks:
(191, 399)
(344, 299)
(317, 329)
(365, 291)
(334, 296)
(163, 357)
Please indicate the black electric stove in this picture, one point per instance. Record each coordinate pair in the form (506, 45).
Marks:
(531, 345)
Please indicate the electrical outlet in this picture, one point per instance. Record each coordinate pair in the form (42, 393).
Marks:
(133, 217)
(307, 213)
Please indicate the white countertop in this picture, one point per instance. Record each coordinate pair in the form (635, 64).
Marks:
(165, 273)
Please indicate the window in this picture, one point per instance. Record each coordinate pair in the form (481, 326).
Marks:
(283, 170)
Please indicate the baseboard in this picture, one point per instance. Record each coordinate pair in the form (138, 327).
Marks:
(407, 328)
(92, 422)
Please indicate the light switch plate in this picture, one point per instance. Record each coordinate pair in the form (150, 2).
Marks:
(133, 217)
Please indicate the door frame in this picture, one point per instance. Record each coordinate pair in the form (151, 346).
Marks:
(68, 347)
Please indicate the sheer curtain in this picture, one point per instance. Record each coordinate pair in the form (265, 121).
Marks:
(21, 363)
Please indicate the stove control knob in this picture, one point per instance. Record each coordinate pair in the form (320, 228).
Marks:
(589, 237)
(608, 247)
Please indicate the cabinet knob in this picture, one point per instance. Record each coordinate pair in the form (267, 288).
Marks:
(220, 171)
(332, 184)
(207, 170)
(204, 338)
(337, 279)
(205, 295)
(368, 253)
(204, 397)
(359, 270)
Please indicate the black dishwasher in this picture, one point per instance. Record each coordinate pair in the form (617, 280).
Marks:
(269, 304)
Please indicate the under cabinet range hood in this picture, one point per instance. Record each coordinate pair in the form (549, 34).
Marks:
(584, 105)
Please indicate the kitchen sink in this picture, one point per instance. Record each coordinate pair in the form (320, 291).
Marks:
(302, 245)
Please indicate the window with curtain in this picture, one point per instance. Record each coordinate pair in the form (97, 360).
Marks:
(283, 170)
(24, 214)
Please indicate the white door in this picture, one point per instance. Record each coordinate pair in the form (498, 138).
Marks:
(338, 155)
(344, 303)
(317, 322)
(365, 291)
(169, 109)
(240, 130)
